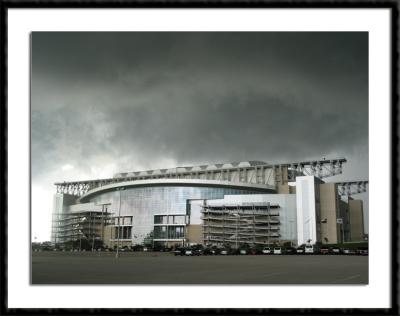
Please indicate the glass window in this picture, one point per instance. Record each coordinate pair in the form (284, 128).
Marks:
(127, 232)
(175, 232)
(177, 219)
(160, 219)
(127, 220)
(160, 232)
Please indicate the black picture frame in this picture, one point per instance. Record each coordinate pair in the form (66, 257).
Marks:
(394, 8)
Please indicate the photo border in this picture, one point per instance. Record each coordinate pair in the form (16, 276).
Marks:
(392, 5)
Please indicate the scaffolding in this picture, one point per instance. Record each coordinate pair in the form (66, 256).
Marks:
(238, 224)
(70, 228)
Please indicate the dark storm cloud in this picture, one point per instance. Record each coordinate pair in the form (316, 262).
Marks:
(139, 98)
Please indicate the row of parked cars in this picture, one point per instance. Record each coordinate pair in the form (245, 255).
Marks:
(311, 249)
(303, 250)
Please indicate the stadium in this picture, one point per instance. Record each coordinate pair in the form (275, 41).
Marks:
(252, 202)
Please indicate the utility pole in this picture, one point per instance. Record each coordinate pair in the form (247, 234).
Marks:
(119, 222)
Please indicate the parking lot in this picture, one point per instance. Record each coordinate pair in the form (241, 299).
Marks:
(165, 268)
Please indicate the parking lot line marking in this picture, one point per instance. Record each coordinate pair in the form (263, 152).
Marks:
(348, 278)
(274, 273)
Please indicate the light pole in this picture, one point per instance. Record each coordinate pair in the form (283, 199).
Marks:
(237, 224)
(119, 223)
(340, 222)
(342, 233)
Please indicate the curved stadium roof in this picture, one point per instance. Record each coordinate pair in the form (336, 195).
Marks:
(177, 182)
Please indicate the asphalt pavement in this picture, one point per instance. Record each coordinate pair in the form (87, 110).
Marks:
(165, 268)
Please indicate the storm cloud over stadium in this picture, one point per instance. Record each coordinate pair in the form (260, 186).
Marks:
(110, 102)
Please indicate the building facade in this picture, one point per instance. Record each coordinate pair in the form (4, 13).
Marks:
(236, 203)
(151, 212)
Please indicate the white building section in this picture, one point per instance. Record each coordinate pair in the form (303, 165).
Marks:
(307, 200)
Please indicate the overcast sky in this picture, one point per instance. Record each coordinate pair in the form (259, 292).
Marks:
(104, 103)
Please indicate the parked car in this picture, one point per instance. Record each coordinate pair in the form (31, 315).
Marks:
(162, 249)
(277, 251)
(362, 251)
(179, 251)
(267, 251)
(223, 252)
(348, 251)
(310, 249)
(188, 252)
(324, 250)
(289, 251)
(243, 252)
(253, 251)
(197, 252)
(235, 251)
(209, 251)
(137, 248)
(300, 250)
(335, 251)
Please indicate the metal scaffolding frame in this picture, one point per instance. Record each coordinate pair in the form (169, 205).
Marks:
(88, 225)
(237, 224)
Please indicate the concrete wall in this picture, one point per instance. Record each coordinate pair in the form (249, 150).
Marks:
(283, 189)
(345, 228)
(286, 189)
(329, 200)
(356, 220)
(194, 234)
(108, 234)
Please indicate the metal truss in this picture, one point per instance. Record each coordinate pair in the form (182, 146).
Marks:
(283, 173)
(318, 168)
(349, 188)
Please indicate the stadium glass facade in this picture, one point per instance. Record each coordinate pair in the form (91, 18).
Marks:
(158, 213)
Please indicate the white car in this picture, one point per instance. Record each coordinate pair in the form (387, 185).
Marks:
(277, 251)
(188, 252)
(309, 249)
(224, 252)
(266, 251)
(243, 252)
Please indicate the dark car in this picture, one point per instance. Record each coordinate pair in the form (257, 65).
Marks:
(324, 250)
(137, 248)
(209, 251)
(300, 250)
(179, 252)
(254, 251)
(289, 251)
(197, 252)
(235, 251)
(165, 249)
(362, 251)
